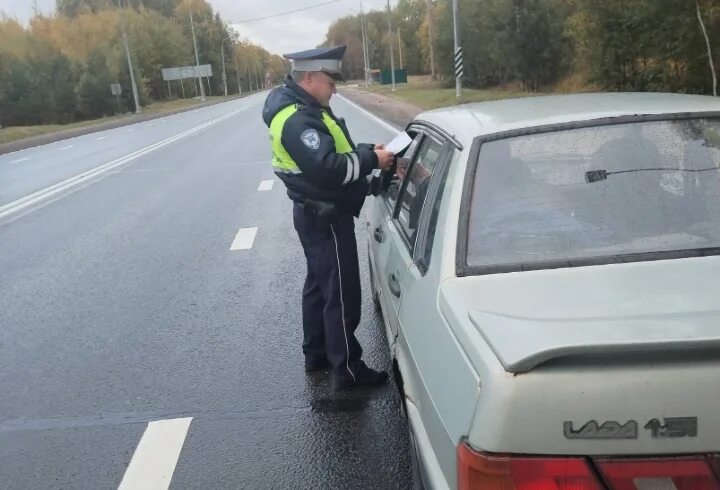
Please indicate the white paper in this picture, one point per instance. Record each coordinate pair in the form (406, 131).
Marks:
(399, 143)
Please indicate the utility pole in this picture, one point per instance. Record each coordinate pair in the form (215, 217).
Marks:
(365, 46)
(459, 70)
(138, 110)
(431, 28)
(197, 59)
(237, 71)
(390, 43)
(400, 48)
(224, 76)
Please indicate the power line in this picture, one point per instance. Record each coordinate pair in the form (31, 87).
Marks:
(285, 13)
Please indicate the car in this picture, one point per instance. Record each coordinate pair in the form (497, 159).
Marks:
(548, 274)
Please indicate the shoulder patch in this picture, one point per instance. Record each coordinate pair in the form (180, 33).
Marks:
(311, 139)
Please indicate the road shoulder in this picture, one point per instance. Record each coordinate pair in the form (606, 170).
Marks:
(395, 111)
(44, 139)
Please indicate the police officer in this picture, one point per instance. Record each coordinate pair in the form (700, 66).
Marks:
(327, 177)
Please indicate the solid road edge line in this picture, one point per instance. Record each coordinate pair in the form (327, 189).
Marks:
(43, 194)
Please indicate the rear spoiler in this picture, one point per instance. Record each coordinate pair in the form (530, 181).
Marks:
(522, 344)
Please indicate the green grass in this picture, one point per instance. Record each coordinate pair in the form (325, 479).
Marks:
(175, 104)
(21, 132)
(427, 94)
(15, 133)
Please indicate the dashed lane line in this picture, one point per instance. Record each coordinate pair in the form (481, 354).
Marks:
(244, 239)
(156, 456)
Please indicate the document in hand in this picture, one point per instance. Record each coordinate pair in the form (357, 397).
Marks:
(399, 143)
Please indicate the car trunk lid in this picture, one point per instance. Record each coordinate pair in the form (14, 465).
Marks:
(528, 318)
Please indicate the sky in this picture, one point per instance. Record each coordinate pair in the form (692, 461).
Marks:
(281, 34)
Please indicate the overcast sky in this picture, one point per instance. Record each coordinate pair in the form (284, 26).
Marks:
(282, 34)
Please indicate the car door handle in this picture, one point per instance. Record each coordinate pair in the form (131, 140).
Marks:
(379, 235)
(394, 285)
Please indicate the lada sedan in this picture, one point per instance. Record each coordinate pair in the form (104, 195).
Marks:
(548, 272)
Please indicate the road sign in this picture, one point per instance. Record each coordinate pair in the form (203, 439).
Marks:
(180, 72)
(115, 88)
(459, 67)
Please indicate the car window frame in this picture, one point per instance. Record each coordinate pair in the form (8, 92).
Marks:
(425, 128)
(388, 207)
(421, 241)
(395, 217)
(463, 269)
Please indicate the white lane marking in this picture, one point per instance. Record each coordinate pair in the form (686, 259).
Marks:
(386, 124)
(41, 195)
(153, 464)
(244, 239)
(20, 160)
(266, 185)
(239, 164)
(101, 138)
(247, 164)
(67, 147)
(131, 130)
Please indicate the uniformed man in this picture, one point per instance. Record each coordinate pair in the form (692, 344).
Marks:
(327, 177)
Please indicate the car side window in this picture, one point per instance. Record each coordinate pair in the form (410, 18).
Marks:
(394, 189)
(426, 244)
(415, 184)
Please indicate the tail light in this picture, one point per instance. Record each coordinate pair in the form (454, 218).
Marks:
(715, 464)
(483, 471)
(480, 471)
(693, 473)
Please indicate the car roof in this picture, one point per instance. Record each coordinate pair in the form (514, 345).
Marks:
(467, 121)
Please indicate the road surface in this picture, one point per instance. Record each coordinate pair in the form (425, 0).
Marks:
(150, 319)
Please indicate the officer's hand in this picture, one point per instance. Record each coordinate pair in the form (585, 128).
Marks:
(385, 159)
(379, 147)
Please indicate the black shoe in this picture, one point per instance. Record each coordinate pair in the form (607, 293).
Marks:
(363, 377)
(313, 365)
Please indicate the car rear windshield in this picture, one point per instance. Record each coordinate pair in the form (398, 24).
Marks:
(614, 192)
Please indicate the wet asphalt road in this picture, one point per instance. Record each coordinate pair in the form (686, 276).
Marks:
(122, 304)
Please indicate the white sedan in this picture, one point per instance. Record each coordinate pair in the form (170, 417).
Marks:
(548, 271)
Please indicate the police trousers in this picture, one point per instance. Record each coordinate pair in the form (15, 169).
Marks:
(331, 299)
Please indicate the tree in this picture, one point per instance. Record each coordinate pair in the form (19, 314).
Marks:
(709, 49)
(93, 91)
(539, 42)
(72, 8)
(40, 90)
(59, 69)
(410, 17)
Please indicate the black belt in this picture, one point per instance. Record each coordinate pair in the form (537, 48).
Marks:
(320, 208)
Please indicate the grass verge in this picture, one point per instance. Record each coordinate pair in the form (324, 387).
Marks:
(15, 133)
(428, 94)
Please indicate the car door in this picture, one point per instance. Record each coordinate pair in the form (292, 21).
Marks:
(390, 267)
(415, 172)
(440, 385)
